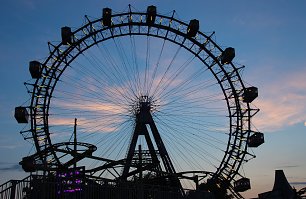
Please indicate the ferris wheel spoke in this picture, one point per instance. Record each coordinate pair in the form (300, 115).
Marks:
(178, 103)
(147, 62)
(109, 77)
(93, 89)
(182, 156)
(156, 66)
(203, 126)
(189, 148)
(175, 75)
(125, 62)
(135, 65)
(194, 129)
(164, 74)
(77, 111)
(106, 139)
(194, 112)
(175, 149)
(187, 85)
(82, 99)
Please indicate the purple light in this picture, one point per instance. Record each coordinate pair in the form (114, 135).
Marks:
(70, 181)
(72, 190)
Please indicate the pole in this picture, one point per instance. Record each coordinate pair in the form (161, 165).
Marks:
(140, 194)
(75, 142)
(140, 163)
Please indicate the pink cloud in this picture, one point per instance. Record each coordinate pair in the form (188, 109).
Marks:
(282, 103)
(85, 123)
(61, 121)
(88, 122)
(100, 107)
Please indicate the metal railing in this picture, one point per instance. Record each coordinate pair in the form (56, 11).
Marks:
(14, 189)
(36, 187)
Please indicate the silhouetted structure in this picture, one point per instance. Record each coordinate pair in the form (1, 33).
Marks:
(281, 188)
(148, 172)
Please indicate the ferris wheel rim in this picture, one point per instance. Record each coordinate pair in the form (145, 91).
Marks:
(227, 75)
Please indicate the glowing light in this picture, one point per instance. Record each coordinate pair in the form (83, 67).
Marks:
(304, 123)
(70, 181)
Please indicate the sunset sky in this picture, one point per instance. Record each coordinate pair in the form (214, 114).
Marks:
(269, 39)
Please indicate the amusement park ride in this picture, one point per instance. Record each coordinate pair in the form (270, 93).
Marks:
(109, 122)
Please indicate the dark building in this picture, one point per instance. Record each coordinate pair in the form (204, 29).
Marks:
(281, 188)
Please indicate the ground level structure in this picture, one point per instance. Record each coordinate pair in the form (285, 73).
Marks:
(281, 188)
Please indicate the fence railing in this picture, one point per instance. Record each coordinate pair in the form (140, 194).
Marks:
(36, 187)
(15, 189)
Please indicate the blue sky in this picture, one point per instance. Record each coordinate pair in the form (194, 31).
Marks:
(269, 38)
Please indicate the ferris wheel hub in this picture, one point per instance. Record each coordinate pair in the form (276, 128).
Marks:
(143, 109)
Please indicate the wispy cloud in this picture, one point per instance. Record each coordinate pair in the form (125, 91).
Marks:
(11, 146)
(61, 121)
(282, 102)
(15, 167)
(87, 114)
(92, 106)
(30, 4)
(86, 124)
(258, 20)
(298, 183)
(287, 166)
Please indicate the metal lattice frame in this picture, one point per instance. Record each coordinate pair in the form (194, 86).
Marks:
(165, 27)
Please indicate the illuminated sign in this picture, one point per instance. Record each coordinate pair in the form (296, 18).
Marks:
(70, 180)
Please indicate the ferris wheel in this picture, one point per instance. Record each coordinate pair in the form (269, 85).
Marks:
(137, 94)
